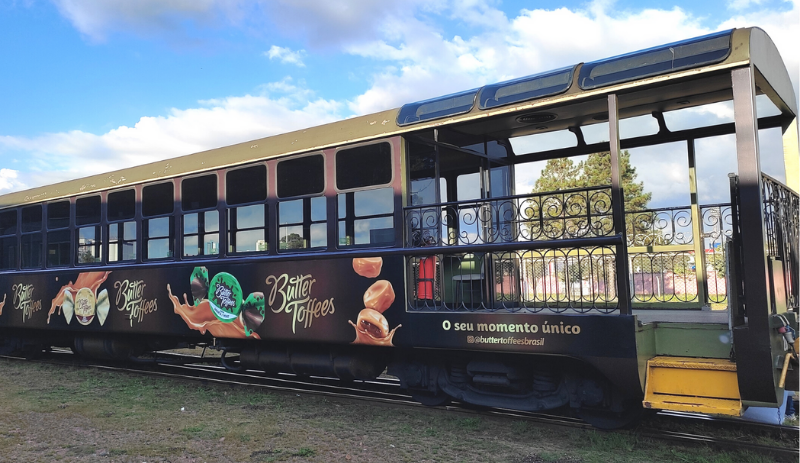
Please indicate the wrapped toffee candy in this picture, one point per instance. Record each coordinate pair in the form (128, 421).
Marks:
(225, 297)
(84, 306)
(253, 312)
(199, 284)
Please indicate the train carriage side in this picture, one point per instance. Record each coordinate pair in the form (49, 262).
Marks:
(398, 239)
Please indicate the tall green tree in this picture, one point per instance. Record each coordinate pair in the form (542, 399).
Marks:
(563, 173)
(558, 174)
(596, 171)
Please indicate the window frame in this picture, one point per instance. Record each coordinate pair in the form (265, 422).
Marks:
(201, 213)
(98, 228)
(108, 221)
(307, 222)
(145, 221)
(11, 236)
(350, 218)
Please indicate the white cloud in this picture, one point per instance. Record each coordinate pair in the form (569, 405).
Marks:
(286, 55)
(60, 156)
(415, 57)
(98, 18)
(743, 4)
(8, 179)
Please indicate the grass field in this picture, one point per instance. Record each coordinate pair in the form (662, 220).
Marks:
(54, 413)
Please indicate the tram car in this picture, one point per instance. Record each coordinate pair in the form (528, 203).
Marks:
(396, 242)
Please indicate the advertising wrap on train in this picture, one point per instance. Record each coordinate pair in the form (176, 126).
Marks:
(356, 301)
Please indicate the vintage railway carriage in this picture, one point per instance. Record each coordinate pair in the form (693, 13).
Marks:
(398, 240)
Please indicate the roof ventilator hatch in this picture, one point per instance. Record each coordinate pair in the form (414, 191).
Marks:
(685, 54)
(436, 108)
(526, 88)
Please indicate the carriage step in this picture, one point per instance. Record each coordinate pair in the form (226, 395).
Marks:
(696, 385)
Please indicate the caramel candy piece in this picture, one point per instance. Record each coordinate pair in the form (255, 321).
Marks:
(369, 267)
(379, 296)
(373, 329)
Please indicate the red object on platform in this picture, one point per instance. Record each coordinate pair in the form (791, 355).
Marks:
(427, 272)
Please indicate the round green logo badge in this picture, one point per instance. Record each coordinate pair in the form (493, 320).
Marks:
(225, 296)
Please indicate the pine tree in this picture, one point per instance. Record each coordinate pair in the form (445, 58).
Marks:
(558, 174)
(596, 171)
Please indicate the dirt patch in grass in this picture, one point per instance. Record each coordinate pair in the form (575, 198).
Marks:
(57, 413)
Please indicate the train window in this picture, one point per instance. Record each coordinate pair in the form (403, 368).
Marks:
(246, 185)
(247, 228)
(89, 243)
(201, 233)
(58, 215)
(302, 223)
(366, 217)
(121, 235)
(159, 238)
(301, 176)
(121, 205)
(31, 250)
(87, 210)
(8, 240)
(8, 253)
(157, 199)
(364, 166)
(199, 192)
(90, 247)
(8, 223)
(58, 248)
(31, 243)
(122, 241)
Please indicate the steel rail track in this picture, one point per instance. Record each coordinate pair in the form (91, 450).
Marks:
(387, 390)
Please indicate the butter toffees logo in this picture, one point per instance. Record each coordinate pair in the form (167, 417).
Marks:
(293, 296)
(130, 298)
(23, 300)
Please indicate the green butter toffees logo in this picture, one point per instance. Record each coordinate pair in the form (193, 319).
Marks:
(225, 297)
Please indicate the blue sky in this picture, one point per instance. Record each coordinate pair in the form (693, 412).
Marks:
(93, 86)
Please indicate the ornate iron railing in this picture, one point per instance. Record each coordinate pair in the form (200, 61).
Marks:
(567, 214)
(670, 270)
(663, 226)
(548, 280)
(781, 210)
(664, 263)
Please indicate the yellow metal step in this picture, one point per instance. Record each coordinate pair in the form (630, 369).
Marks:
(693, 385)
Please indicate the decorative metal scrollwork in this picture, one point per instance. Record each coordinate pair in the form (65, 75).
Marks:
(579, 213)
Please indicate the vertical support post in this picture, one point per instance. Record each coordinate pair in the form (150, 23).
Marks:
(697, 229)
(791, 155)
(752, 341)
(618, 208)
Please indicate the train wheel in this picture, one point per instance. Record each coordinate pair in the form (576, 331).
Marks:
(607, 419)
(430, 399)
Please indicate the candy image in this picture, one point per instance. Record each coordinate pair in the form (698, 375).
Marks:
(379, 296)
(369, 267)
(225, 297)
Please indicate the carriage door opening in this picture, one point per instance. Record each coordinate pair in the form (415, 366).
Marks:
(453, 184)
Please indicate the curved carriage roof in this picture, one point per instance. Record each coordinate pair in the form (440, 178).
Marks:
(681, 62)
